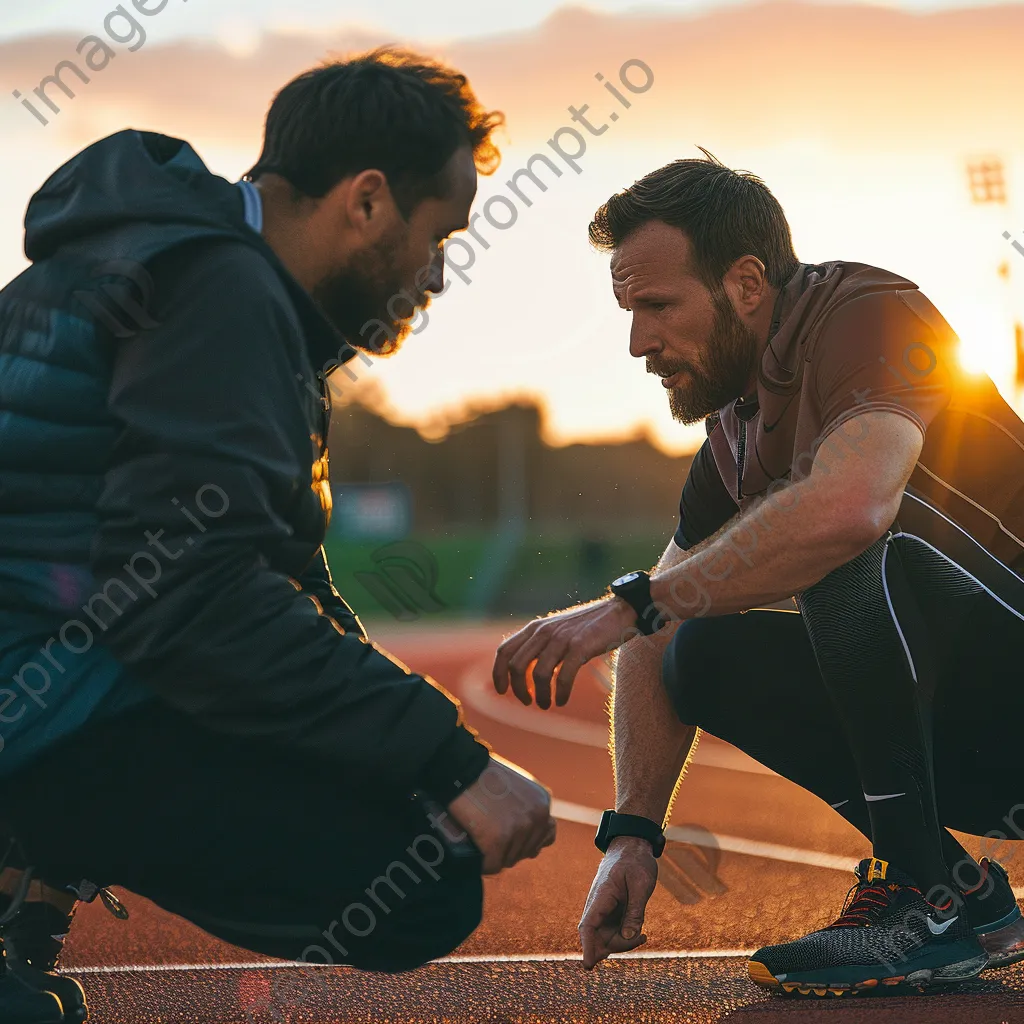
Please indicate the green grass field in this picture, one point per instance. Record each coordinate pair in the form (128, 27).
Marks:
(481, 575)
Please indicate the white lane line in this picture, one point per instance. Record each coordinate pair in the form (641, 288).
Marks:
(254, 965)
(636, 954)
(498, 958)
(477, 692)
(733, 844)
(580, 815)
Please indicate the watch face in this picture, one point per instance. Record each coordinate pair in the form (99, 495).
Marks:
(628, 578)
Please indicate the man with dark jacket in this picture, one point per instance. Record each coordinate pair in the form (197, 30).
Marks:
(188, 708)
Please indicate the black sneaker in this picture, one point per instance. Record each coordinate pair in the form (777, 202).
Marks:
(32, 934)
(993, 911)
(23, 1004)
(889, 937)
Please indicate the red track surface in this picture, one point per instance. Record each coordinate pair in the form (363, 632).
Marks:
(151, 969)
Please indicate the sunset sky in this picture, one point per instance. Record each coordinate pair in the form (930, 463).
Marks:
(443, 21)
(860, 118)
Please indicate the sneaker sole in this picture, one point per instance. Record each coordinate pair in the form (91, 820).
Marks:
(916, 977)
(1004, 945)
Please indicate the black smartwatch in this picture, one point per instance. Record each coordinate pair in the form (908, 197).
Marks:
(635, 589)
(614, 824)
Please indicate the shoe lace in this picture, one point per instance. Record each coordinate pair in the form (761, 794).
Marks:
(30, 929)
(88, 891)
(863, 904)
(85, 891)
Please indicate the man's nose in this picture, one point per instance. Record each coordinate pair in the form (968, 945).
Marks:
(642, 342)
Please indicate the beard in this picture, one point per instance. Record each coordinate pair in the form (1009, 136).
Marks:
(367, 302)
(730, 357)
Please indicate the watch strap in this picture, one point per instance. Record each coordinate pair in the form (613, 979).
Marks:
(614, 825)
(637, 594)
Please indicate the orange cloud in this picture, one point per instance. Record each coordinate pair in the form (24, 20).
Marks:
(854, 76)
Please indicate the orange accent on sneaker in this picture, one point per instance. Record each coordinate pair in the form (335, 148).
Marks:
(877, 869)
(984, 864)
(760, 975)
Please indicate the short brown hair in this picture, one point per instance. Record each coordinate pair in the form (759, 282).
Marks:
(390, 109)
(725, 213)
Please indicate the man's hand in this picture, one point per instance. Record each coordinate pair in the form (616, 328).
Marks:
(507, 813)
(613, 919)
(566, 641)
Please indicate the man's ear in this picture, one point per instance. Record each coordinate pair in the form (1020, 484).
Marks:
(745, 283)
(368, 202)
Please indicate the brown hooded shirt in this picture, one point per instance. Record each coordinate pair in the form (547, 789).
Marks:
(847, 338)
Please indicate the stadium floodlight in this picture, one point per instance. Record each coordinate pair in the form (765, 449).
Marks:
(987, 180)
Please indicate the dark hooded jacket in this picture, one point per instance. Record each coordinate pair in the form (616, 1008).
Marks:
(164, 487)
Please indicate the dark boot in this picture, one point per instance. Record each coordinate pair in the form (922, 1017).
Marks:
(34, 922)
(23, 1004)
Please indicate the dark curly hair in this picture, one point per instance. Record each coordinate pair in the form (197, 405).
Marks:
(725, 213)
(389, 109)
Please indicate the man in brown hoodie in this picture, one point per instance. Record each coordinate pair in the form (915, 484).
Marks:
(852, 464)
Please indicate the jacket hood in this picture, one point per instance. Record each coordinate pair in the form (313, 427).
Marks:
(136, 194)
(148, 189)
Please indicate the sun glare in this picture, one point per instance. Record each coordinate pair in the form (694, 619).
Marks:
(986, 341)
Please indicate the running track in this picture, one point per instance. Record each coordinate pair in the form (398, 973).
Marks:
(781, 869)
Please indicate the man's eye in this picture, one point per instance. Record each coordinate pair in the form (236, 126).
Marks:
(659, 306)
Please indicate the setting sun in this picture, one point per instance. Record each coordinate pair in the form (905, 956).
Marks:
(986, 340)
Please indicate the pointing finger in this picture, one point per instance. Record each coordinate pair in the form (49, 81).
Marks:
(504, 654)
(544, 669)
(521, 661)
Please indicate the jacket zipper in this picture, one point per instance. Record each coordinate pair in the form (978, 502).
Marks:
(741, 454)
(325, 410)
(323, 465)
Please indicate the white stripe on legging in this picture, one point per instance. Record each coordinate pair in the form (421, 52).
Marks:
(956, 526)
(995, 597)
(895, 621)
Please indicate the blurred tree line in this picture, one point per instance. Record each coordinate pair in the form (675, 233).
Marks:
(512, 525)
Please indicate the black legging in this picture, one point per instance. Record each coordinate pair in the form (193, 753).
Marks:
(901, 676)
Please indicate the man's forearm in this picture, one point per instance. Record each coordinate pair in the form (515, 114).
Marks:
(777, 549)
(650, 744)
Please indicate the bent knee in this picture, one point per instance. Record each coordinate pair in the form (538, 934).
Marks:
(414, 934)
(689, 666)
(399, 934)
